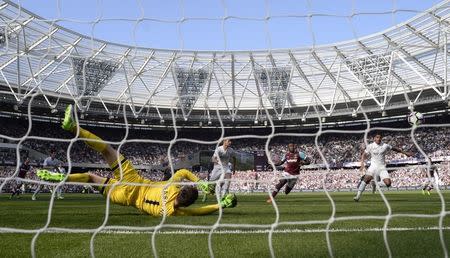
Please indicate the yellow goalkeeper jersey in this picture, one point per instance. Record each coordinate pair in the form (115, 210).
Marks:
(154, 198)
(159, 198)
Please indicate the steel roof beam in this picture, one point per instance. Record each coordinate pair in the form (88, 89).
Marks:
(3, 6)
(417, 62)
(345, 60)
(400, 79)
(327, 71)
(439, 19)
(233, 84)
(393, 73)
(420, 35)
(19, 27)
(163, 76)
(139, 72)
(252, 61)
(305, 78)
(26, 51)
(53, 61)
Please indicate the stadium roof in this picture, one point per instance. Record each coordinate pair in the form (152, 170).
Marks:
(403, 64)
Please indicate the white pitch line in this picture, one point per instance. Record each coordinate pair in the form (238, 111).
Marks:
(283, 231)
(238, 231)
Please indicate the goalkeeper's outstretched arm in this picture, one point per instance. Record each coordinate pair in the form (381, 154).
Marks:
(228, 201)
(188, 175)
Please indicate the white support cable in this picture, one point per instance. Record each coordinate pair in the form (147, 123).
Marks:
(64, 83)
(233, 86)
(3, 6)
(19, 89)
(333, 99)
(161, 79)
(245, 86)
(230, 111)
(258, 88)
(414, 59)
(288, 94)
(446, 65)
(141, 69)
(208, 87)
(196, 95)
(38, 83)
(330, 75)
(24, 52)
(10, 86)
(389, 81)
(21, 26)
(63, 53)
(420, 75)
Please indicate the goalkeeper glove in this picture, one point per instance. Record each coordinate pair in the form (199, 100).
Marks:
(228, 201)
(205, 187)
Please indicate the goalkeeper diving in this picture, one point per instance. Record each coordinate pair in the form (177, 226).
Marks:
(128, 188)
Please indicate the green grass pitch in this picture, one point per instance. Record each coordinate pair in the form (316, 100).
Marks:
(241, 232)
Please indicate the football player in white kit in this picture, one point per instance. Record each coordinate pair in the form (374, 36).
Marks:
(431, 180)
(377, 169)
(224, 160)
(50, 163)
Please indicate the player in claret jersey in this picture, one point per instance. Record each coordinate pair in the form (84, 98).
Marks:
(294, 159)
(19, 186)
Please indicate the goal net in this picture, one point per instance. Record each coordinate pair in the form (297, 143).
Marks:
(327, 122)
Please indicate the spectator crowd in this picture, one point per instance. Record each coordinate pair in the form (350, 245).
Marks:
(152, 148)
(408, 177)
(144, 147)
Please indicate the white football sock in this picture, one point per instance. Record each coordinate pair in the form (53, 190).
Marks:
(361, 189)
(226, 187)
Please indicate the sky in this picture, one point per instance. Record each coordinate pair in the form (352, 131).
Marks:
(227, 24)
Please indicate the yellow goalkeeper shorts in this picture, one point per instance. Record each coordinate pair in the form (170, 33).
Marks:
(118, 188)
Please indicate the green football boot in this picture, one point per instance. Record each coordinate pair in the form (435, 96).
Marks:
(50, 176)
(68, 123)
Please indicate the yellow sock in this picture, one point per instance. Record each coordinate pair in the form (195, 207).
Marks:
(99, 145)
(81, 177)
